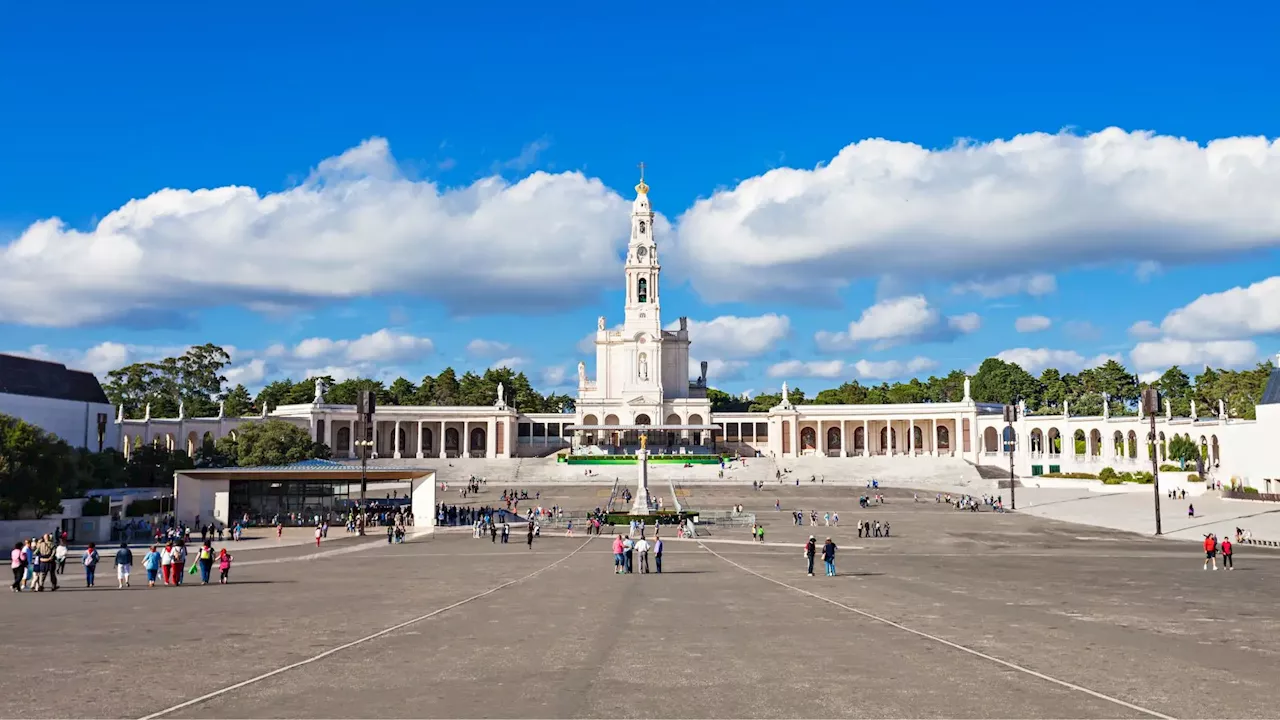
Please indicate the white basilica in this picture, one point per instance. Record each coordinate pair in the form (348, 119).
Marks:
(643, 386)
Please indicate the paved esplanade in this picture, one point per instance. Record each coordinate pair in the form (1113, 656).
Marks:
(956, 614)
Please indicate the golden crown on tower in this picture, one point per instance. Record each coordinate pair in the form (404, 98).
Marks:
(642, 188)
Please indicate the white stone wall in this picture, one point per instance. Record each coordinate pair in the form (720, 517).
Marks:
(74, 422)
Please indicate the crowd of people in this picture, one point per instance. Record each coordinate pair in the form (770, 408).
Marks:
(37, 563)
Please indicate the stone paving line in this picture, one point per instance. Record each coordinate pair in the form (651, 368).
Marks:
(365, 639)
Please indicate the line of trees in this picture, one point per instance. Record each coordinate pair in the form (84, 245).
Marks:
(1003, 382)
(197, 382)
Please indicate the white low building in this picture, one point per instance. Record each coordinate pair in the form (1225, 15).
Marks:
(67, 403)
(643, 387)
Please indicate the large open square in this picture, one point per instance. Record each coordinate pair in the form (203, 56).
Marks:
(956, 614)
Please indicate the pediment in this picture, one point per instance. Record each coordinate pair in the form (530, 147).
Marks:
(640, 401)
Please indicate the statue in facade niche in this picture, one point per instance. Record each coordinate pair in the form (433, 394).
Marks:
(644, 367)
(582, 373)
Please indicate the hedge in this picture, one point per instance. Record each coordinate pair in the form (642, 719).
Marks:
(1249, 490)
(95, 507)
(664, 517)
(1071, 475)
(1194, 478)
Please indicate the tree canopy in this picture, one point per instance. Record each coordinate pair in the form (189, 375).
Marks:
(998, 381)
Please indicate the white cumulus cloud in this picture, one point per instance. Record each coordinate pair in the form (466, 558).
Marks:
(890, 369)
(1033, 284)
(1031, 204)
(1144, 330)
(356, 227)
(486, 348)
(718, 370)
(1232, 314)
(1034, 360)
(1161, 354)
(895, 321)
(1032, 323)
(732, 336)
(383, 346)
(807, 369)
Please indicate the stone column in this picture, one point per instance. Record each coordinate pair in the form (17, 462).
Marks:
(440, 439)
(351, 440)
(419, 439)
(491, 439)
(911, 437)
(795, 435)
(844, 439)
(395, 441)
(933, 437)
(888, 438)
(866, 439)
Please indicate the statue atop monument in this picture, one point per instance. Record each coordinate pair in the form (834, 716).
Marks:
(644, 442)
(319, 398)
(502, 400)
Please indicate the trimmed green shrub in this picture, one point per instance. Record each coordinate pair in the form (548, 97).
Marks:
(1249, 490)
(1170, 468)
(1192, 477)
(1142, 478)
(1107, 474)
(1071, 475)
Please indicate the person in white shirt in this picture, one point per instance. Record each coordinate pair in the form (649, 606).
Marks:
(166, 565)
(60, 557)
(642, 547)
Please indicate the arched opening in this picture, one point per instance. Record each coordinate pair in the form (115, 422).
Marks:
(1095, 443)
(344, 442)
(1213, 446)
(1009, 440)
(478, 442)
(1117, 443)
(1163, 447)
(1133, 445)
(990, 440)
(642, 290)
(193, 444)
(451, 442)
(808, 439)
(833, 440)
(428, 442)
(888, 440)
(917, 438)
(859, 440)
(1204, 449)
(643, 419)
(944, 438)
(696, 435)
(1037, 441)
(1055, 441)
(611, 437)
(402, 438)
(1080, 445)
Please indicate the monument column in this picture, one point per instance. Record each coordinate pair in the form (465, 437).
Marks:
(640, 506)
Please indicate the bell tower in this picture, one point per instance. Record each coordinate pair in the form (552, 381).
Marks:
(643, 307)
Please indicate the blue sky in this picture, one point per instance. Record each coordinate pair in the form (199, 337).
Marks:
(370, 192)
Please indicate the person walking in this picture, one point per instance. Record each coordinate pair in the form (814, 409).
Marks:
(60, 557)
(319, 533)
(628, 548)
(17, 561)
(617, 556)
(531, 531)
(166, 563)
(179, 562)
(45, 553)
(657, 554)
(224, 565)
(90, 561)
(151, 563)
(810, 549)
(124, 565)
(1227, 552)
(829, 557)
(1210, 551)
(204, 559)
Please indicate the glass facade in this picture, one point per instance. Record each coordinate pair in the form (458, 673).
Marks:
(262, 500)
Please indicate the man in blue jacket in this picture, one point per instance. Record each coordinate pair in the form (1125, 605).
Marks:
(124, 564)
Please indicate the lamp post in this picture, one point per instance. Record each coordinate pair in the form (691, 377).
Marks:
(1151, 406)
(1011, 416)
(365, 405)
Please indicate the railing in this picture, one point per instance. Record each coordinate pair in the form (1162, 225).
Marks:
(1241, 495)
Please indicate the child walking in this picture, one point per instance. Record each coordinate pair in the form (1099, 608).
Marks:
(224, 565)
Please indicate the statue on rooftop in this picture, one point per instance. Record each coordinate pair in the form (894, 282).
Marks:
(967, 396)
(582, 374)
(502, 396)
(319, 398)
(600, 323)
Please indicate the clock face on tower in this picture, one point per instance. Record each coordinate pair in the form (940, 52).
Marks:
(643, 251)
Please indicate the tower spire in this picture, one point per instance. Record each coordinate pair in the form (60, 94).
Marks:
(642, 188)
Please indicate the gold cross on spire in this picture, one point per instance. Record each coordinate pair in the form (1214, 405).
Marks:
(642, 188)
(642, 172)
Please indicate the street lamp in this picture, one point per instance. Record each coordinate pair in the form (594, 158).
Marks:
(365, 405)
(1010, 417)
(1151, 406)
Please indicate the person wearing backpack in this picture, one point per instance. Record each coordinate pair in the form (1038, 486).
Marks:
(90, 561)
(204, 559)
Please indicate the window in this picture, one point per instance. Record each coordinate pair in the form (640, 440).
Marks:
(642, 290)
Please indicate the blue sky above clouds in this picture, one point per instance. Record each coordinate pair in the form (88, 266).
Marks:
(848, 191)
